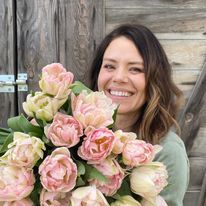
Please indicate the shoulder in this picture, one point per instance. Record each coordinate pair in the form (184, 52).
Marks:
(173, 143)
(173, 150)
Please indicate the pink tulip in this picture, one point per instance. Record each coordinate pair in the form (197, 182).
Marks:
(22, 202)
(88, 196)
(137, 152)
(148, 180)
(94, 109)
(157, 201)
(54, 198)
(56, 80)
(16, 183)
(114, 174)
(64, 131)
(58, 172)
(121, 139)
(97, 144)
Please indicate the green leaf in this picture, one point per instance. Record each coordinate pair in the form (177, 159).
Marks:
(47, 141)
(5, 130)
(8, 140)
(21, 124)
(3, 135)
(79, 182)
(35, 194)
(78, 86)
(80, 168)
(93, 173)
(125, 188)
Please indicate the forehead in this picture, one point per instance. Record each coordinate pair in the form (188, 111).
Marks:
(122, 47)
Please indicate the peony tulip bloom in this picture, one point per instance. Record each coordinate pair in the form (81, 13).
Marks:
(111, 169)
(16, 182)
(121, 139)
(22, 202)
(157, 201)
(137, 152)
(54, 198)
(97, 144)
(94, 109)
(58, 172)
(56, 80)
(148, 180)
(64, 130)
(88, 196)
(24, 151)
(126, 201)
(42, 106)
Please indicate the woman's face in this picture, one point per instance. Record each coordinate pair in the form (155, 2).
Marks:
(122, 76)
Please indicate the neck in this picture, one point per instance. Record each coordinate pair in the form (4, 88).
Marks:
(125, 122)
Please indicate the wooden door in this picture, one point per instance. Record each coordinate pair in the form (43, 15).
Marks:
(8, 101)
(40, 32)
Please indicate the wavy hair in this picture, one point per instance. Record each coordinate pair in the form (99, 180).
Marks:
(163, 97)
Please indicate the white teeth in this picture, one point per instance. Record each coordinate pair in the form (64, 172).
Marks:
(120, 93)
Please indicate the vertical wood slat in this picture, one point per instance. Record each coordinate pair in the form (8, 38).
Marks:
(65, 31)
(7, 100)
(191, 116)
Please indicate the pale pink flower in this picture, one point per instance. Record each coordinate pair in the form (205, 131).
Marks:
(58, 172)
(157, 201)
(64, 131)
(88, 196)
(94, 109)
(24, 151)
(54, 198)
(16, 183)
(42, 106)
(149, 179)
(97, 144)
(111, 169)
(137, 152)
(126, 201)
(121, 139)
(22, 202)
(56, 80)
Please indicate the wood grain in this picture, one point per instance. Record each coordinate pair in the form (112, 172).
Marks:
(7, 63)
(191, 116)
(155, 4)
(57, 31)
(160, 20)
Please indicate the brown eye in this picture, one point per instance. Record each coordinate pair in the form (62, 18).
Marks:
(109, 66)
(136, 70)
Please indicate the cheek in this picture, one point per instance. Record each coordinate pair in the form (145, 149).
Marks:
(101, 81)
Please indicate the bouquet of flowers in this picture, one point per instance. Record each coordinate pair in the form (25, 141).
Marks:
(65, 152)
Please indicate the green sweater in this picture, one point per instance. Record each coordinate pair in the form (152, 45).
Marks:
(174, 156)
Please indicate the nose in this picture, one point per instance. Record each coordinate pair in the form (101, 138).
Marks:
(120, 75)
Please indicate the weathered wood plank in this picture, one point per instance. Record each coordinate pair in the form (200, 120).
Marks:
(185, 54)
(159, 20)
(7, 64)
(155, 4)
(36, 39)
(57, 31)
(185, 80)
(80, 31)
(190, 117)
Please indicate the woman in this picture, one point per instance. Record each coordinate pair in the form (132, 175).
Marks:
(132, 69)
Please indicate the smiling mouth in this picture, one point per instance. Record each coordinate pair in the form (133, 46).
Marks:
(120, 93)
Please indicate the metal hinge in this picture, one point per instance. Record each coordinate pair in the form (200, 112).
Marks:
(8, 83)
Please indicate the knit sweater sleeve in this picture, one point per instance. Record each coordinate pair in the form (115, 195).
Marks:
(174, 156)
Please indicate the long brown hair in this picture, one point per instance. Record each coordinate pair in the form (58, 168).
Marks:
(162, 95)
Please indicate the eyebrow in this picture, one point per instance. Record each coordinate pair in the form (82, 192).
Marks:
(131, 63)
